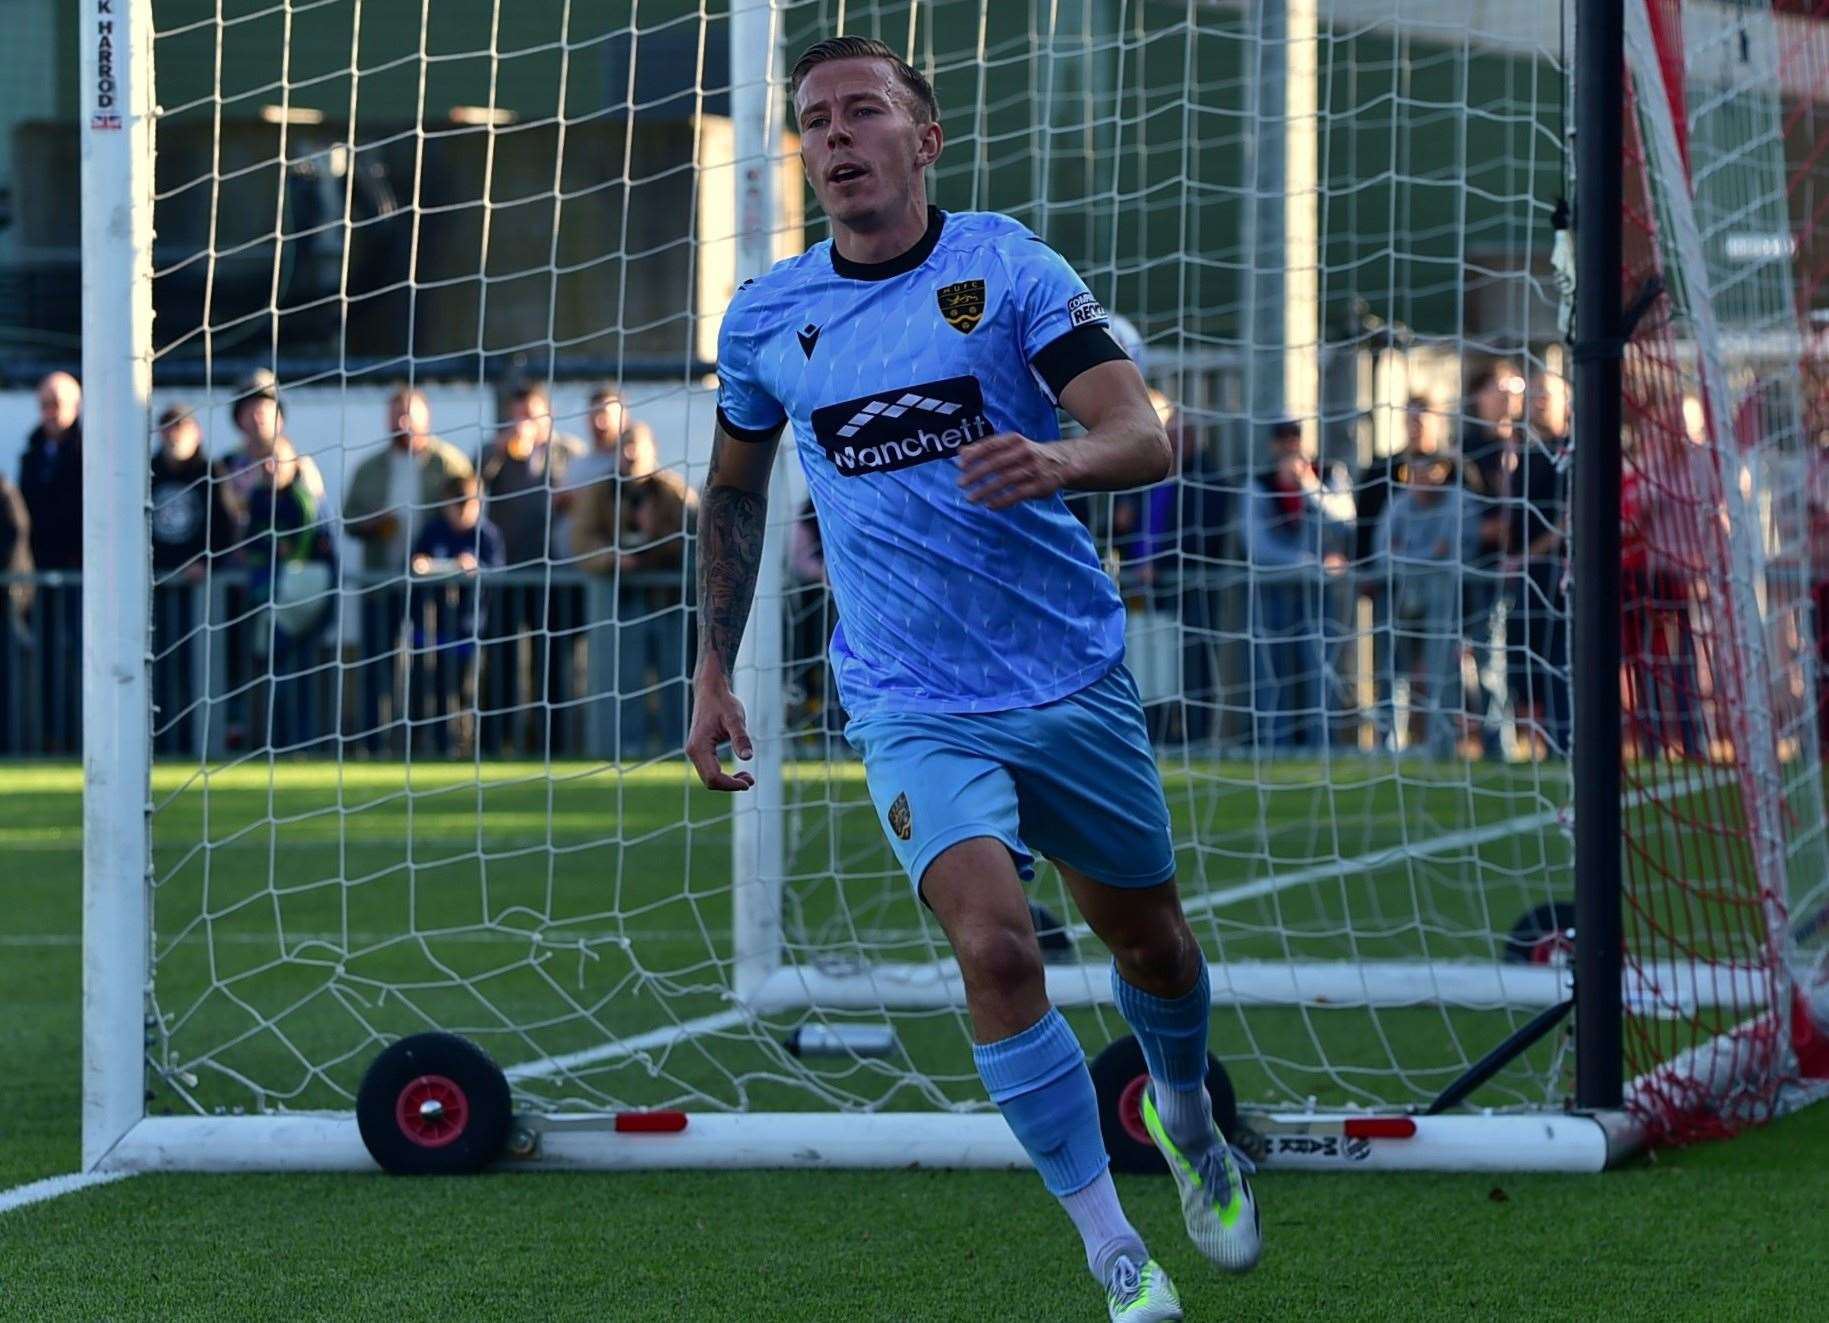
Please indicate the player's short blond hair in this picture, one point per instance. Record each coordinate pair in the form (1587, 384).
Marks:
(913, 81)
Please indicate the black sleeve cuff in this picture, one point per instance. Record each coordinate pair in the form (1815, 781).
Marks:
(1060, 361)
(754, 435)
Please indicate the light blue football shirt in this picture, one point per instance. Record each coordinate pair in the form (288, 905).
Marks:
(885, 371)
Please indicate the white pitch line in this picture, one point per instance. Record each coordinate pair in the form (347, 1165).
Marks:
(54, 1187)
(626, 1047)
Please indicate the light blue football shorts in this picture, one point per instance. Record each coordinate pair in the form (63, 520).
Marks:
(1074, 781)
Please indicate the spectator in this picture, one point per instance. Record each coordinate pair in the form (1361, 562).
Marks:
(193, 514)
(522, 472)
(1493, 401)
(1431, 527)
(459, 539)
(391, 500)
(1163, 541)
(812, 614)
(51, 475)
(448, 617)
(633, 531)
(15, 605)
(395, 493)
(1536, 609)
(1295, 526)
(51, 485)
(602, 461)
(1380, 481)
(15, 561)
(260, 417)
(1658, 650)
(1493, 404)
(1168, 538)
(292, 568)
(193, 520)
(1182, 519)
(530, 407)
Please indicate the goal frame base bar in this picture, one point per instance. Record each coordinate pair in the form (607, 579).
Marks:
(1663, 988)
(1510, 1142)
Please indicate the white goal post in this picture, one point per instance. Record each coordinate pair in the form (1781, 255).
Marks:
(263, 918)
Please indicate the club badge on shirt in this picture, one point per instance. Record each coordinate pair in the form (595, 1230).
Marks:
(962, 305)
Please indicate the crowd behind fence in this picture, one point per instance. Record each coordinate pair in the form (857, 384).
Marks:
(582, 679)
(537, 601)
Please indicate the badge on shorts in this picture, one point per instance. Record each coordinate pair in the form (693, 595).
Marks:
(962, 305)
(901, 821)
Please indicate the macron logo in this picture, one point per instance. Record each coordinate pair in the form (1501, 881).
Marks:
(895, 409)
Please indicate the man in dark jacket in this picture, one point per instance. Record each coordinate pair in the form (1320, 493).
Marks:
(192, 513)
(1171, 540)
(1380, 484)
(51, 482)
(194, 521)
(51, 475)
(1489, 445)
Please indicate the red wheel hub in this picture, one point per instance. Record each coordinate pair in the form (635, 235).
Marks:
(432, 1111)
(1552, 949)
(1130, 1110)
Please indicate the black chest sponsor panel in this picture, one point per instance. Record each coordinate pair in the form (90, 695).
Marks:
(897, 429)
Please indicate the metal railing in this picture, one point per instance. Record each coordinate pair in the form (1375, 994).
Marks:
(560, 663)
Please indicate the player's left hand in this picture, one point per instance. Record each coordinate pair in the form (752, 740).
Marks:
(1008, 468)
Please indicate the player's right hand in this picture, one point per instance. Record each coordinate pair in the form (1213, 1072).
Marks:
(717, 716)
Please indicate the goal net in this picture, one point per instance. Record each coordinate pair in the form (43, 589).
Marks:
(1727, 432)
(439, 288)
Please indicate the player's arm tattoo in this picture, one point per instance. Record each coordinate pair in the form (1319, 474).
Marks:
(733, 516)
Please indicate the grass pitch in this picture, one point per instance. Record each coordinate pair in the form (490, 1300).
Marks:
(281, 899)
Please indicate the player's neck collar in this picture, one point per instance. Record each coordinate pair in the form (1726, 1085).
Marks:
(894, 266)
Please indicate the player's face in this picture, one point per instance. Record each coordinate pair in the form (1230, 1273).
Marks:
(861, 143)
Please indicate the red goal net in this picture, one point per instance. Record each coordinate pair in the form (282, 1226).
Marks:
(1724, 571)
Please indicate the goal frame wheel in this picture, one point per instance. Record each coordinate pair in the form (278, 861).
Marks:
(1051, 934)
(434, 1104)
(1544, 935)
(1119, 1076)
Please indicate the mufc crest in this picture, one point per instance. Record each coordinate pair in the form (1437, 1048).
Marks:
(901, 821)
(962, 305)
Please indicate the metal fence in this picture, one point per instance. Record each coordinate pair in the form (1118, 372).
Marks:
(538, 663)
(502, 664)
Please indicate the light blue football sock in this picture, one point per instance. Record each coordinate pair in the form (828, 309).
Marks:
(1173, 1035)
(1039, 1079)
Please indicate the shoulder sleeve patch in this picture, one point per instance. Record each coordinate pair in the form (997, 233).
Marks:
(1083, 308)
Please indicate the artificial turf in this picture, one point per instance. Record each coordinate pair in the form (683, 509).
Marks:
(1720, 1231)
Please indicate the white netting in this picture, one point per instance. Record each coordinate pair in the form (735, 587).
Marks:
(412, 796)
